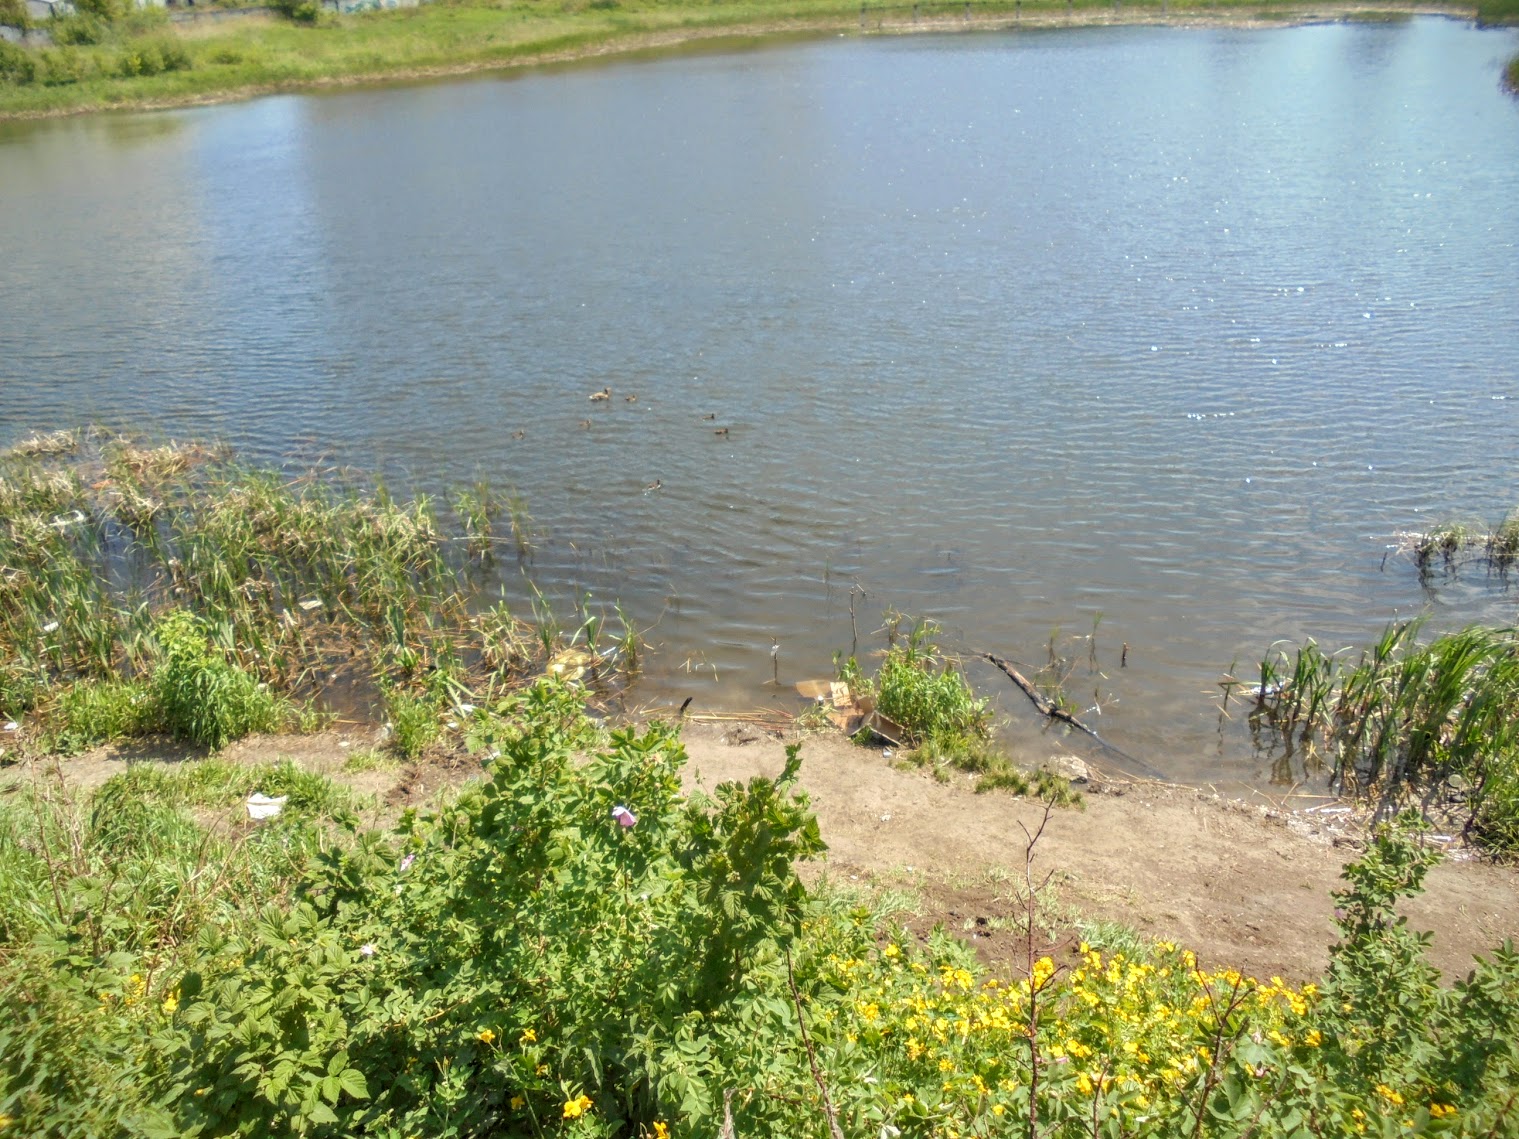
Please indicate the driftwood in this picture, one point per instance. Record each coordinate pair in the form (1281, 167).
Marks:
(1053, 711)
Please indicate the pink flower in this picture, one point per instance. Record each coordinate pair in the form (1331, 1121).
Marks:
(407, 861)
(625, 818)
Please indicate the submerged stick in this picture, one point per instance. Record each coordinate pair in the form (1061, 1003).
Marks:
(1053, 711)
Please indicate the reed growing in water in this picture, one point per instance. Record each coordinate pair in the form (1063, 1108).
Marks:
(172, 588)
(1436, 721)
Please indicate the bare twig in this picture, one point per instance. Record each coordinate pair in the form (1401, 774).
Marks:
(812, 1058)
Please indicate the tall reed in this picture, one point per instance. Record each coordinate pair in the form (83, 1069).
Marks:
(1436, 719)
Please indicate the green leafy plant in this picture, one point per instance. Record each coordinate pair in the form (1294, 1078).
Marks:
(606, 938)
(413, 721)
(200, 695)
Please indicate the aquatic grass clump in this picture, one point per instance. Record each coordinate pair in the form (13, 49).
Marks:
(1436, 721)
(413, 721)
(1452, 545)
(296, 582)
(926, 693)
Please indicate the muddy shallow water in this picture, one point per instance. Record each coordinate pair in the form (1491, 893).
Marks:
(1178, 327)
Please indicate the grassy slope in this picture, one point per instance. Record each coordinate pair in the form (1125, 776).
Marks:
(247, 56)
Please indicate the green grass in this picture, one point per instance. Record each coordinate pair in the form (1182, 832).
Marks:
(250, 55)
(88, 713)
(106, 900)
(1498, 11)
(368, 759)
(219, 784)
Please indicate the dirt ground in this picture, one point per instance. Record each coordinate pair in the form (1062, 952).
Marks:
(1245, 885)
(1240, 884)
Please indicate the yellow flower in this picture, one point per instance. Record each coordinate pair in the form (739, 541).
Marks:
(485, 1036)
(1440, 1110)
(542, 1069)
(998, 1109)
(1313, 1038)
(890, 951)
(5, 1121)
(517, 1102)
(575, 1108)
(171, 1003)
(528, 1036)
(1388, 1094)
(661, 1131)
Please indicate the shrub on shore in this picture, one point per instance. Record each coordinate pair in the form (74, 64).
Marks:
(576, 948)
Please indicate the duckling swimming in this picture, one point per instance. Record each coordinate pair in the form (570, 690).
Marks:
(603, 394)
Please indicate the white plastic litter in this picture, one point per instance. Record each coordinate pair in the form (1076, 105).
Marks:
(261, 806)
(12, 726)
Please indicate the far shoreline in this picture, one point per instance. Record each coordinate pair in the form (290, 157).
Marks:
(657, 42)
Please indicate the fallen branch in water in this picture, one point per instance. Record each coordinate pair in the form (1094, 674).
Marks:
(1053, 711)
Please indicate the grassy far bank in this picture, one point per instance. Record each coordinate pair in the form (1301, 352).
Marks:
(143, 60)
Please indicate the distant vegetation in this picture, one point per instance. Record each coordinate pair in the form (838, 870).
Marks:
(113, 54)
(1497, 11)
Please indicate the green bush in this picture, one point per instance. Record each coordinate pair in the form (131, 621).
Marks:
(203, 698)
(81, 28)
(152, 57)
(13, 13)
(104, 9)
(527, 950)
(61, 66)
(17, 64)
(301, 11)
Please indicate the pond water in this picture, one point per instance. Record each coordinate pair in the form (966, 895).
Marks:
(1171, 328)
